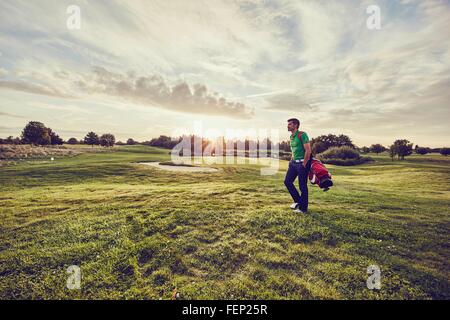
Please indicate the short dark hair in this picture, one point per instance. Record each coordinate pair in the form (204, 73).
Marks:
(295, 121)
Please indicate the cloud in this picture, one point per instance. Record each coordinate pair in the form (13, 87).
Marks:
(153, 90)
(416, 118)
(288, 102)
(314, 57)
(6, 114)
(149, 90)
(32, 88)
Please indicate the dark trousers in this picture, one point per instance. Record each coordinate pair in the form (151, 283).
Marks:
(295, 170)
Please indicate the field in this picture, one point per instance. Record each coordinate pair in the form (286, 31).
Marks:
(139, 232)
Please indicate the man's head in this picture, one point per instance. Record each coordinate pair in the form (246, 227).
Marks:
(293, 124)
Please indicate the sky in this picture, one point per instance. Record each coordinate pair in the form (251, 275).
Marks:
(141, 68)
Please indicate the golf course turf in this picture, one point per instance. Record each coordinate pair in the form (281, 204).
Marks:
(138, 232)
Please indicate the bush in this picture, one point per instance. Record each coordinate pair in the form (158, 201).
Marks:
(72, 141)
(342, 156)
(340, 153)
(445, 151)
(422, 151)
(54, 138)
(324, 142)
(377, 148)
(163, 142)
(364, 149)
(131, 142)
(11, 140)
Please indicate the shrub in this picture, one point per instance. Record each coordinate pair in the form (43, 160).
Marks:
(364, 149)
(72, 141)
(445, 151)
(422, 151)
(163, 142)
(131, 142)
(318, 147)
(377, 148)
(11, 140)
(324, 142)
(340, 153)
(343, 156)
(54, 138)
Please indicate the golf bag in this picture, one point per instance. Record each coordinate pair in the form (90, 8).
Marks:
(319, 175)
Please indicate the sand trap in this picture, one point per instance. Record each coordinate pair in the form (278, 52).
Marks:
(179, 168)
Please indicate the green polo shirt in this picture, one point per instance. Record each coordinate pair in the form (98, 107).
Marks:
(298, 151)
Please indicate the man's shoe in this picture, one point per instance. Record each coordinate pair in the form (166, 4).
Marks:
(298, 210)
(294, 206)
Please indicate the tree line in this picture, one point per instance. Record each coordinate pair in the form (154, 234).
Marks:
(36, 133)
(402, 148)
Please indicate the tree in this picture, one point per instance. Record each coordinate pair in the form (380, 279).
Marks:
(365, 149)
(166, 142)
(107, 140)
(344, 140)
(131, 142)
(72, 141)
(377, 148)
(36, 133)
(445, 151)
(402, 148)
(323, 142)
(318, 147)
(16, 140)
(54, 138)
(421, 150)
(392, 152)
(10, 140)
(92, 139)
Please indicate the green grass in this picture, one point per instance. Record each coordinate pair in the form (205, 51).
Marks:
(139, 232)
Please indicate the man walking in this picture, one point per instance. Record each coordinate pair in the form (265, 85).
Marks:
(299, 166)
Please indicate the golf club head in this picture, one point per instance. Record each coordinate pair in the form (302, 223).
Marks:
(326, 184)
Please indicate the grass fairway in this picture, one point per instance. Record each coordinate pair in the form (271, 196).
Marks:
(139, 232)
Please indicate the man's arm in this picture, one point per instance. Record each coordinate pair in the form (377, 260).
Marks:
(307, 147)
